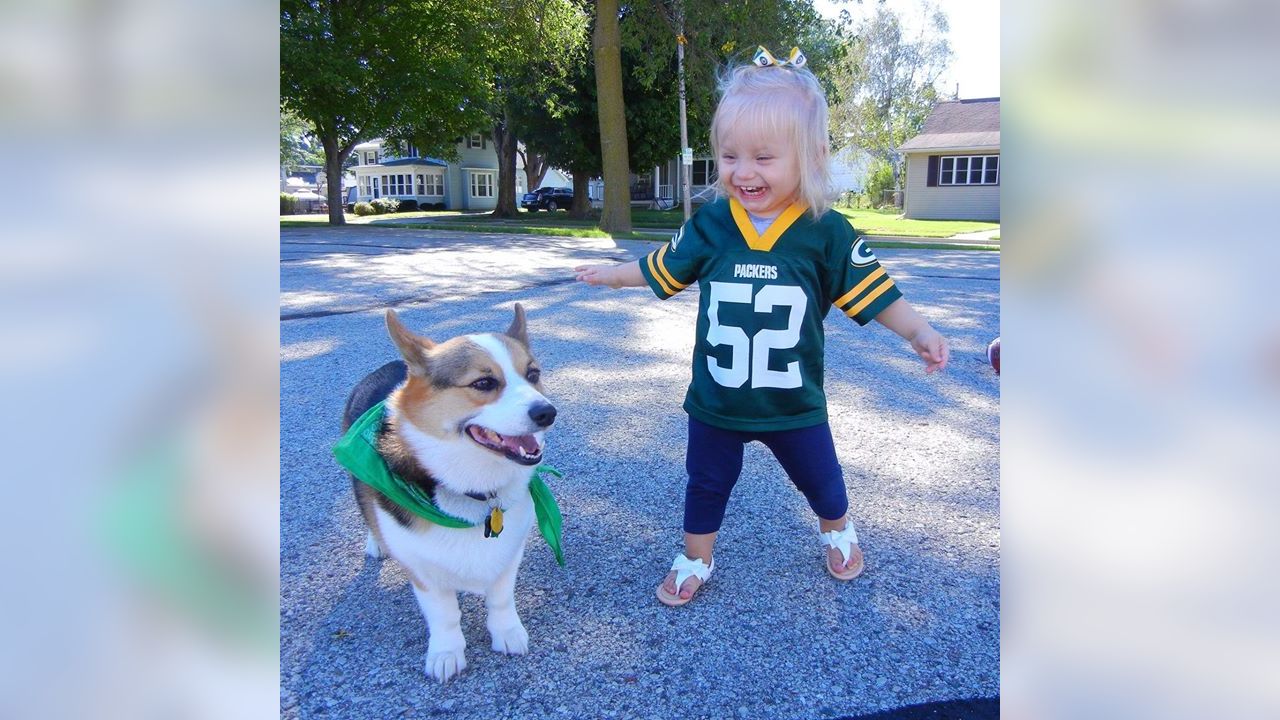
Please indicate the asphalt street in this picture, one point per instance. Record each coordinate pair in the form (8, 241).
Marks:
(771, 635)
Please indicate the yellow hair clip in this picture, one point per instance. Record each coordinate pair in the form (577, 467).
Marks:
(764, 58)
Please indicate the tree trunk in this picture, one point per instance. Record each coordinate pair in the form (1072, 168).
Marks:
(504, 142)
(535, 169)
(607, 42)
(895, 162)
(334, 157)
(581, 207)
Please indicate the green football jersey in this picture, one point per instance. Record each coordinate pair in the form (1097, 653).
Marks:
(757, 359)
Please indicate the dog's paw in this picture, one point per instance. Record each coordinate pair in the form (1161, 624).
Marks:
(371, 548)
(513, 640)
(444, 664)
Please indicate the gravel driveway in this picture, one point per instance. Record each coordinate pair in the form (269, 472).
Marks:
(771, 636)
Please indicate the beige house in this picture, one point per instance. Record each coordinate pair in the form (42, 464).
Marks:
(953, 165)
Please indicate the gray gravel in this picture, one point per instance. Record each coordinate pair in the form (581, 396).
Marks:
(771, 635)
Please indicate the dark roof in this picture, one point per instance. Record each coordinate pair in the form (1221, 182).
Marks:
(413, 161)
(959, 124)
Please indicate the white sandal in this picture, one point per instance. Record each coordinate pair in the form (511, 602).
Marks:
(684, 568)
(844, 541)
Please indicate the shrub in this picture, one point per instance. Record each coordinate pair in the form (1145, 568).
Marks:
(382, 206)
(364, 208)
(879, 179)
(407, 206)
(288, 204)
(437, 206)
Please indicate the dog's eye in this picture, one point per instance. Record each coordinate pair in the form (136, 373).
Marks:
(533, 375)
(485, 384)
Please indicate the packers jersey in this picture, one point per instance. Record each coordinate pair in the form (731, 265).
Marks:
(757, 359)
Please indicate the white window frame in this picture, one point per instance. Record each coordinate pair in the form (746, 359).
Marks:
(478, 188)
(709, 168)
(434, 185)
(950, 163)
(475, 141)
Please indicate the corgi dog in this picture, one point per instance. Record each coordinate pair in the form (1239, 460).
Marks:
(464, 424)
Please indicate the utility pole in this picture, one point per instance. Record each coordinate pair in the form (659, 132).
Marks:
(686, 154)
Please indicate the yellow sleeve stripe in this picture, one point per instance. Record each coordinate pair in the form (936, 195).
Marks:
(860, 287)
(656, 276)
(870, 298)
(666, 274)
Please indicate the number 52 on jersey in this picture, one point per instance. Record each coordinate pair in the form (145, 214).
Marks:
(750, 354)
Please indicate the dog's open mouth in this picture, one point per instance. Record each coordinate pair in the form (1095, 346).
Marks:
(524, 449)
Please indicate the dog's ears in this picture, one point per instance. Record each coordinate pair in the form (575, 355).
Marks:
(413, 348)
(517, 329)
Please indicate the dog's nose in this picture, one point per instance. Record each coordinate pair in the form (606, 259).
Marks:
(543, 413)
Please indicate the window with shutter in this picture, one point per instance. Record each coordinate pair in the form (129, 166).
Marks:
(965, 170)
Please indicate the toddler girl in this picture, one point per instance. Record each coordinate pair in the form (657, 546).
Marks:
(770, 258)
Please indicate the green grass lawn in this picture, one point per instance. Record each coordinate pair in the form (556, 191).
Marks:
(539, 223)
(515, 228)
(526, 223)
(639, 218)
(323, 218)
(890, 222)
(872, 222)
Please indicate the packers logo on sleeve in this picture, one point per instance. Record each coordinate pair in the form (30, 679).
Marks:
(675, 241)
(862, 255)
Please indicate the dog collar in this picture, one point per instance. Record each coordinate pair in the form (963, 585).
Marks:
(357, 451)
(493, 522)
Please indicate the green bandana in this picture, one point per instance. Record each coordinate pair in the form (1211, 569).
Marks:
(357, 451)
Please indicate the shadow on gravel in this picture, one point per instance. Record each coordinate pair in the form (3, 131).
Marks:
(976, 709)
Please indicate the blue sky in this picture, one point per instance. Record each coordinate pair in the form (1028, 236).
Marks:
(974, 36)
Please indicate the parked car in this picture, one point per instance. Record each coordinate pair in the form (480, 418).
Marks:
(547, 198)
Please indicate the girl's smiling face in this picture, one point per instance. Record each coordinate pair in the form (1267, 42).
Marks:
(761, 170)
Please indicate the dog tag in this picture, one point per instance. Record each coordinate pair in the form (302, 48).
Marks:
(493, 523)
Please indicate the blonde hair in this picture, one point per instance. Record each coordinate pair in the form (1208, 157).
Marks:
(786, 102)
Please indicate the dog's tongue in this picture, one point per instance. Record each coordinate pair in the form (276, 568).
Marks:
(527, 443)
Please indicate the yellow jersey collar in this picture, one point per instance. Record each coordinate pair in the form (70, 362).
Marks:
(764, 242)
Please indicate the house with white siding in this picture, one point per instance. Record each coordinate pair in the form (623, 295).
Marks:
(953, 165)
(401, 172)
(663, 186)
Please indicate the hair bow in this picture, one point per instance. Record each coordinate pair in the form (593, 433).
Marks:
(764, 58)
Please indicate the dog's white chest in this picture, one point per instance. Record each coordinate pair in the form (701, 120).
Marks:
(460, 559)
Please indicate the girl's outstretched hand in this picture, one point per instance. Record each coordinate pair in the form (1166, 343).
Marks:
(595, 274)
(614, 276)
(931, 347)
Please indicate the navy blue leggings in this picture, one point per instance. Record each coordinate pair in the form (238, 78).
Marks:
(714, 462)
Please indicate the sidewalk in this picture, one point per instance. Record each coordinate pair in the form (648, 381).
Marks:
(967, 241)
